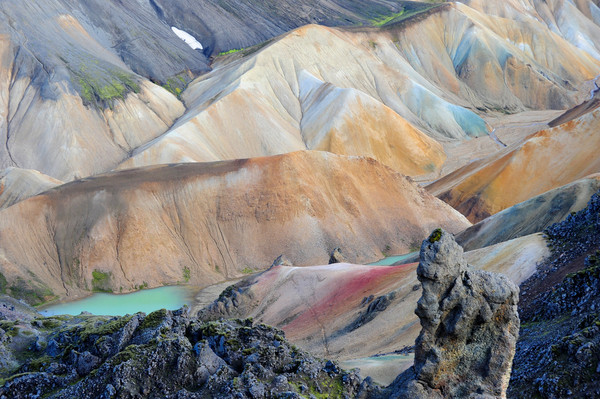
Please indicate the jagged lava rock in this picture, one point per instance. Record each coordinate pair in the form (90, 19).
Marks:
(469, 330)
(165, 354)
(282, 260)
(336, 257)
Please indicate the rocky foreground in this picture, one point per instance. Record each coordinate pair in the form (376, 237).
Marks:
(163, 354)
(466, 346)
(558, 354)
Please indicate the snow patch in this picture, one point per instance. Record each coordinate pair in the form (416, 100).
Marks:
(524, 47)
(189, 39)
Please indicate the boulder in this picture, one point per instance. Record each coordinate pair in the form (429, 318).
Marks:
(15, 310)
(281, 260)
(470, 327)
(336, 257)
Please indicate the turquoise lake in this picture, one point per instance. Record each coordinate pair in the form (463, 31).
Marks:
(147, 301)
(393, 259)
(118, 305)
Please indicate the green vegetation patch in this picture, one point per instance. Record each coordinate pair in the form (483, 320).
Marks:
(386, 19)
(40, 363)
(213, 328)
(325, 388)
(51, 323)
(101, 281)
(30, 292)
(186, 274)
(3, 284)
(435, 236)
(245, 51)
(154, 319)
(233, 50)
(3, 381)
(176, 84)
(408, 11)
(102, 88)
(95, 326)
(592, 270)
(134, 352)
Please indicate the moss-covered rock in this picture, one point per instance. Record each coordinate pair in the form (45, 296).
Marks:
(435, 236)
(163, 354)
(32, 292)
(101, 87)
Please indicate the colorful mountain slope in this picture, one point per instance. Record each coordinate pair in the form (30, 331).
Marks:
(531, 216)
(548, 159)
(204, 223)
(19, 184)
(350, 312)
(374, 92)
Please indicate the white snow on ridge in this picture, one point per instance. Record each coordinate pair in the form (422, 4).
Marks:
(189, 39)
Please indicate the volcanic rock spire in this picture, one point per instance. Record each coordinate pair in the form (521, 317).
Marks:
(469, 330)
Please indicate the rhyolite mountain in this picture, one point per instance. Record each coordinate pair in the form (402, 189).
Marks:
(131, 158)
(225, 25)
(81, 75)
(19, 184)
(209, 222)
(105, 58)
(546, 160)
(290, 95)
(531, 216)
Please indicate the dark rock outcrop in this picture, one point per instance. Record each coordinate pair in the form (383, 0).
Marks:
(163, 354)
(558, 353)
(336, 256)
(374, 306)
(282, 260)
(233, 302)
(469, 328)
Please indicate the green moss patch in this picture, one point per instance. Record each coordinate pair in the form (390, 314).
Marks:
(154, 319)
(407, 11)
(3, 284)
(101, 89)
(176, 84)
(232, 51)
(133, 352)
(95, 326)
(101, 281)
(51, 323)
(386, 19)
(32, 293)
(435, 236)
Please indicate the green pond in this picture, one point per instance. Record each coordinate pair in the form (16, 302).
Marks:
(390, 260)
(118, 305)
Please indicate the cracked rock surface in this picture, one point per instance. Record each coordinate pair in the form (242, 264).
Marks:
(470, 327)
